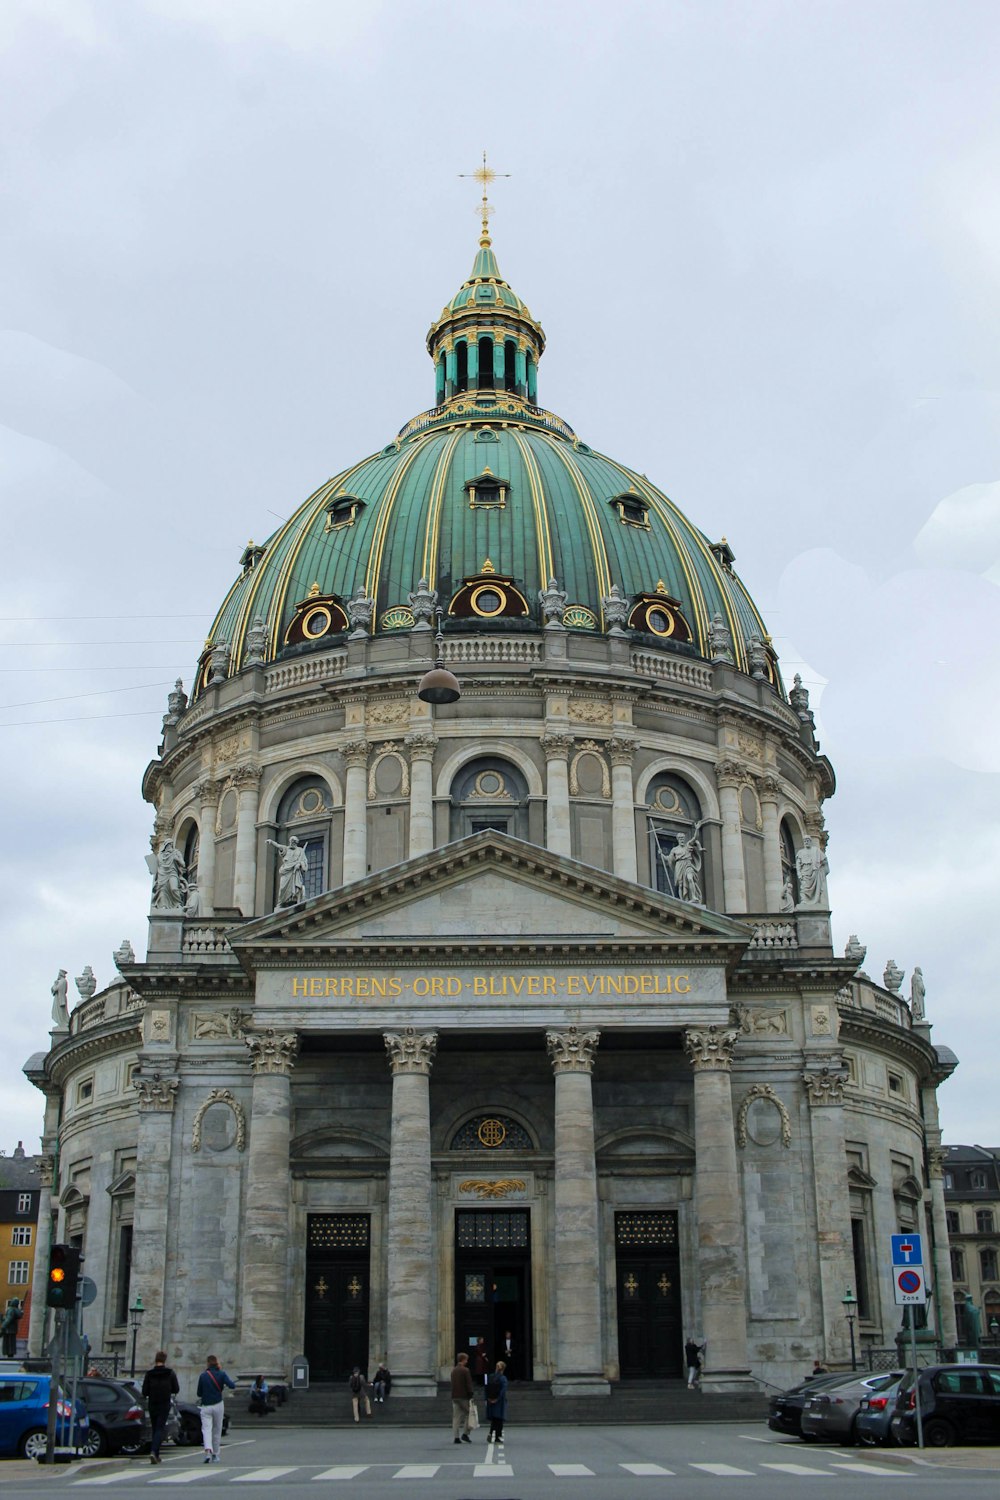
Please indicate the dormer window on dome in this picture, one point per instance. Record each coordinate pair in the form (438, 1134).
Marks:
(316, 616)
(486, 491)
(660, 614)
(632, 509)
(343, 510)
(251, 556)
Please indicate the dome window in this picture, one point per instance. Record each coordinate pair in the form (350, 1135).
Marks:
(343, 510)
(489, 794)
(660, 615)
(632, 510)
(486, 491)
(488, 596)
(316, 616)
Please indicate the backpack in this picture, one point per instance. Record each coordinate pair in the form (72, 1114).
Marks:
(356, 1383)
(494, 1388)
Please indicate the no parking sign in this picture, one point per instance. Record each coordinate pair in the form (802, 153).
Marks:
(909, 1284)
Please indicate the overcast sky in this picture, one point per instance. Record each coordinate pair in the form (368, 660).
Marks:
(763, 239)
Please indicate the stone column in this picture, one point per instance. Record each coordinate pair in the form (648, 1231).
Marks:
(156, 1095)
(824, 1084)
(557, 829)
(721, 1245)
(579, 1363)
(421, 748)
(623, 809)
(208, 796)
(730, 779)
(943, 1309)
(411, 1355)
(47, 1208)
(247, 779)
(768, 790)
(264, 1252)
(356, 811)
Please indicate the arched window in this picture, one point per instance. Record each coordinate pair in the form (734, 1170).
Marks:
(489, 793)
(988, 1264)
(190, 851)
(789, 879)
(509, 365)
(304, 811)
(676, 854)
(485, 364)
(462, 366)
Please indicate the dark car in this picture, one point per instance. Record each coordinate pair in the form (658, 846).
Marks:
(875, 1412)
(831, 1414)
(785, 1411)
(118, 1423)
(189, 1423)
(958, 1404)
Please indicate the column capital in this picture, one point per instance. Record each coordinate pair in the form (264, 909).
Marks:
(410, 1050)
(421, 746)
(621, 751)
(208, 791)
(768, 788)
(156, 1092)
(556, 746)
(271, 1052)
(572, 1051)
(825, 1085)
(729, 773)
(936, 1158)
(355, 754)
(711, 1048)
(246, 776)
(46, 1171)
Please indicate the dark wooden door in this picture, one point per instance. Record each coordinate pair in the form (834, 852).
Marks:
(337, 1295)
(647, 1268)
(493, 1284)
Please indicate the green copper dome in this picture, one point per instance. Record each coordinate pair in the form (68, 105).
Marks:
(487, 497)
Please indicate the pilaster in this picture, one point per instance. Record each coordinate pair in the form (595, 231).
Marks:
(264, 1301)
(411, 1354)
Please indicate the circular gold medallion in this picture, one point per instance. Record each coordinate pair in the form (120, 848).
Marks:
(492, 1133)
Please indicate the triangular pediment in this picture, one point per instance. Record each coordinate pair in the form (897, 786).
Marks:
(489, 890)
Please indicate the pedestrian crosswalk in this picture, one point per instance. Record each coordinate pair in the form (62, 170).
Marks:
(496, 1469)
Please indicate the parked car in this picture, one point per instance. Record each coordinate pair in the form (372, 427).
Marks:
(785, 1411)
(189, 1414)
(871, 1425)
(958, 1404)
(24, 1416)
(118, 1422)
(831, 1414)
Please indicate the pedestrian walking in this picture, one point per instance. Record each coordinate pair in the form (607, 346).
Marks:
(496, 1404)
(159, 1387)
(359, 1393)
(212, 1383)
(461, 1399)
(692, 1358)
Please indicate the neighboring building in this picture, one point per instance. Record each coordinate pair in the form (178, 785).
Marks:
(20, 1196)
(972, 1206)
(512, 1012)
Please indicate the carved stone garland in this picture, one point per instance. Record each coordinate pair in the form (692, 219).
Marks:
(762, 1091)
(221, 1096)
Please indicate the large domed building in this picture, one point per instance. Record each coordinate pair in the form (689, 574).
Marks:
(489, 989)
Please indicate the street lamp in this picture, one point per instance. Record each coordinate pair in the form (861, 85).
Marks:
(439, 685)
(135, 1317)
(850, 1305)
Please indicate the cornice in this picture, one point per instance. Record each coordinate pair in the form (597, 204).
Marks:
(118, 1035)
(871, 1031)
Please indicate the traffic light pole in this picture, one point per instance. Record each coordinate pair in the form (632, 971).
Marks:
(55, 1381)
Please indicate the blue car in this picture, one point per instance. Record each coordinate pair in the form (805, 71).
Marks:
(24, 1416)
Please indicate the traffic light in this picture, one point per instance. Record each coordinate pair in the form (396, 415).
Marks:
(64, 1273)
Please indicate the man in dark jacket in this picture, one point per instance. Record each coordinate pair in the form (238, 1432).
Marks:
(461, 1399)
(159, 1387)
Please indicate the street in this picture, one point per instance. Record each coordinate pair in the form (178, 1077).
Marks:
(540, 1463)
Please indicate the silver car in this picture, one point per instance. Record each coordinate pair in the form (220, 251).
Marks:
(831, 1413)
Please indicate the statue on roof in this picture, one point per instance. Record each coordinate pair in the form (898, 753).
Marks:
(811, 867)
(684, 864)
(918, 994)
(60, 1008)
(553, 602)
(169, 884)
(720, 640)
(292, 869)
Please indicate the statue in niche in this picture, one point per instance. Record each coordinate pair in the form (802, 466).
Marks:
(788, 892)
(720, 640)
(811, 868)
(684, 864)
(60, 1008)
(423, 603)
(616, 609)
(359, 612)
(294, 862)
(553, 602)
(169, 884)
(918, 994)
(892, 976)
(256, 643)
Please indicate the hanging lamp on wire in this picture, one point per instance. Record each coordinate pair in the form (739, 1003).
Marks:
(439, 685)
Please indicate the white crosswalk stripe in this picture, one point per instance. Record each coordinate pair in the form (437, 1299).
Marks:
(262, 1476)
(493, 1471)
(798, 1469)
(417, 1471)
(723, 1470)
(203, 1471)
(645, 1471)
(342, 1471)
(571, 1471)
(107, 1478)
(870, 1469)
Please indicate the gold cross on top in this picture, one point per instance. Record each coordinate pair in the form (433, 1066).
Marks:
(485, 175)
